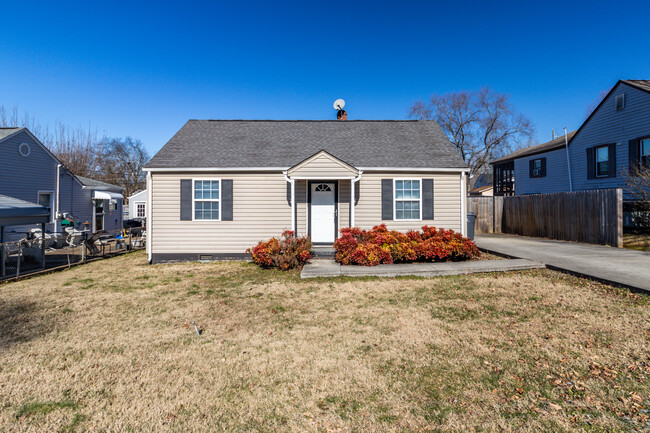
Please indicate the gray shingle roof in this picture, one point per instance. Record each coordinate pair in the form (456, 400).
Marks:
(92, 183)
(280, 143)
(639, 84)
(558, 143)
(6, 132)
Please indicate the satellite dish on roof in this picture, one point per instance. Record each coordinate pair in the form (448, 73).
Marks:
(339, 104)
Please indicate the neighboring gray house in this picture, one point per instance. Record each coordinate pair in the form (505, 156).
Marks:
(218, 187)
(30, 172)
(533, 170)
(615, 137)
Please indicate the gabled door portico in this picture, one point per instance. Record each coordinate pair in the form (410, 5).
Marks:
(322, 173)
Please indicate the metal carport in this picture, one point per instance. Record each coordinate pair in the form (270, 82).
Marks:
(14, 211)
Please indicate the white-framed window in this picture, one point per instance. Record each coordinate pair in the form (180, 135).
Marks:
(602, 161)
(644, 144)
(140, 209)
(407, 202)
(206, 199)
(46, 199)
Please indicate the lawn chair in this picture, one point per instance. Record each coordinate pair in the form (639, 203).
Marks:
(74, 236)
(91, 248)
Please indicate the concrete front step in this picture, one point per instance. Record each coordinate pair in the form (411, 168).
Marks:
(329, 268)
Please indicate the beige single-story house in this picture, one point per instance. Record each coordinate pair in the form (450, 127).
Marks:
(218, 187)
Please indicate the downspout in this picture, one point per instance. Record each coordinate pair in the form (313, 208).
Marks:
(352, 195)
(463, 203)
(58, 200)
(293, 201)
(568, 163)
(149, 222)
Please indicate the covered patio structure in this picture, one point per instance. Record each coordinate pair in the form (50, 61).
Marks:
(20, 212)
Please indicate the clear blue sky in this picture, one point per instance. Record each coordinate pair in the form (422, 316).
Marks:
(142, 69)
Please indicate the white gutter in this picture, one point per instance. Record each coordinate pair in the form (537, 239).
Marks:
(282, 169)
(463, 204)
(293, 201)
(206, 169)
(149, 223)
(568, 163)
(429, 170)
(352, 193)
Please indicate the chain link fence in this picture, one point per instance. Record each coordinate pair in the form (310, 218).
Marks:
(33, 253)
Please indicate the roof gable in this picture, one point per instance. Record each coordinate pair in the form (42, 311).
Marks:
(643, 85)
(280, 144)
(322, 164)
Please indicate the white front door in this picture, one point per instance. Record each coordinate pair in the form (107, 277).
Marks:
(323, 212)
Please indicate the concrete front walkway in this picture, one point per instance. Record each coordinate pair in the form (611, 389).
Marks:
(329, 268)
(619, 266)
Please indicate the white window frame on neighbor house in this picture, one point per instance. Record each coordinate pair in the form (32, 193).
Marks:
(52, 210)
(596, 149)
(395, 199)
(144, 209)
(644, 155)
(194, 199)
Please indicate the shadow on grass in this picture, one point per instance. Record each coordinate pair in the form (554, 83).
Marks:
(22, 321)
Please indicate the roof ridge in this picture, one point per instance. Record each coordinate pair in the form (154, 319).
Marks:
(307, 120)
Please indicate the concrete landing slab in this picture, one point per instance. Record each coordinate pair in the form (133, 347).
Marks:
(329, 268)
(321, 268)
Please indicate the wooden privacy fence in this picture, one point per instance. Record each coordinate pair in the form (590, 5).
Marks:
(594, 217)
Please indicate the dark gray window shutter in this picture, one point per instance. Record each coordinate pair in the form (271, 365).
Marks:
(543, 167)
(289, 193)
(531, 167)
(226, 199)
(387, 199)
(635, 153)
(612, 160)
(427, 199)
(186, 199)
(591, 164)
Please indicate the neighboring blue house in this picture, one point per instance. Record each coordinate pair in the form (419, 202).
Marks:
(615, 137)
(30, 172)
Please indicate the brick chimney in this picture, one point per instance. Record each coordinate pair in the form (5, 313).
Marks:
(341, 115)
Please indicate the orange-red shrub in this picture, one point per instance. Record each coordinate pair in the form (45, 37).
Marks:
(380, 245)
(285, 253)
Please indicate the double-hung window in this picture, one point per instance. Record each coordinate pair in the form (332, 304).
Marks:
(645, 152)
(408, 199)
(602, 161)
(207, 200)
(140, 210)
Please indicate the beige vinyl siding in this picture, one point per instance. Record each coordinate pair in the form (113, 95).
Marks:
(260, 211)
(446, 201)
(322, 167)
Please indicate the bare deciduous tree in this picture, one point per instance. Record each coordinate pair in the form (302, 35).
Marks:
(121, 162)
(78, 148)
(592, 106)
(637, 181)
(482, 124)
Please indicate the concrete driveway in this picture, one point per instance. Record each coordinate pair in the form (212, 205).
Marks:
(616, 265)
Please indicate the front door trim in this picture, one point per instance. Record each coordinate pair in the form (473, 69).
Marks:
(336, 208)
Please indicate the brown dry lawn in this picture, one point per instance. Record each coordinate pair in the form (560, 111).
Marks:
(109, 347)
